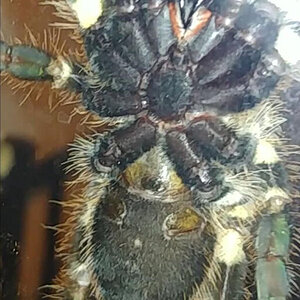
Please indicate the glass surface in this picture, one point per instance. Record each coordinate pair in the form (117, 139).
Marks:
(34, 139)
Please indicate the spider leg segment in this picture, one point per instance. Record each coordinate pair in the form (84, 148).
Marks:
(229, 284)
(194, 170)
(202, 154)
(215, 65)
(272, 245)
(24, 62)
(29, 63)
(216, 141)
(114, 152)
(273, 236)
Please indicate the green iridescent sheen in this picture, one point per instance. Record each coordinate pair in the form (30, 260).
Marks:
(272, 249)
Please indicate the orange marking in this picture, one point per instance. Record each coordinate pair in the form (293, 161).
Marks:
(176, 26)
(203, 17)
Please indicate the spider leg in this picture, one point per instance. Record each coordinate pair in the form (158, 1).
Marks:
(29, 63)
(109, 103)
(211, 139)
(221, 59)
(123, 62)
(194, 170)
(273, 234)
(123, 59)
(114, 152)
(272, 244)
(206, 40)
(24, 62)
(213, 163)
(219, 143)
(231, 285)
(203, 154)
(242, 68)
(243, 88)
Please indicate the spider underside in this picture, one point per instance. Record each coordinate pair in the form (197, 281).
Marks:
(175, 194)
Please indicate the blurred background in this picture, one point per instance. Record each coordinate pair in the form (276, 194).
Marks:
(33, 146)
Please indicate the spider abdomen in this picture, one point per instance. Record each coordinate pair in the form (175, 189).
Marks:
(136, 246)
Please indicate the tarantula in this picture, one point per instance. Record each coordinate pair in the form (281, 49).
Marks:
(193, 171)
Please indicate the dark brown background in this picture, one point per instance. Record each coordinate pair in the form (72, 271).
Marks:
(41, 138)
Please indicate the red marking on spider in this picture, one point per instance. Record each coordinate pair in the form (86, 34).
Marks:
(199, 21)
